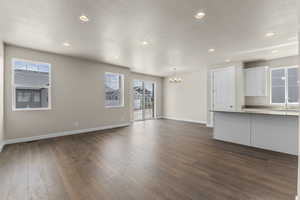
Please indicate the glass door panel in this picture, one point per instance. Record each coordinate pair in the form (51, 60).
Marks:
(149, 100)
(138, 100)
(143, 100)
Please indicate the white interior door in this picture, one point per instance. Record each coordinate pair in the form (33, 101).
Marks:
(224, 89)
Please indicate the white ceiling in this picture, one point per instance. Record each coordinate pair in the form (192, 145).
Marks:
(235, 28)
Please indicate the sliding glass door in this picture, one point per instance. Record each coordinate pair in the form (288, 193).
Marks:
(138, 100)
(148, 100)
(143, 100)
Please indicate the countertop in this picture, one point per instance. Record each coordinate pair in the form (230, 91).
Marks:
(264, 111)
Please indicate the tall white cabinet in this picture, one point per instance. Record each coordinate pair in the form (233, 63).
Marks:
(227, 88)
(224, 89)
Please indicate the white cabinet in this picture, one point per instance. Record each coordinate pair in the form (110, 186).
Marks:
(272, 132)
(232, 127)
(276, 133)
(224, 89)
(256, 81)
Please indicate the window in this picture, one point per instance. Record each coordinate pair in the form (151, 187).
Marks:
(293, 84)
(114, 95)
(31, 85)
(284, 85)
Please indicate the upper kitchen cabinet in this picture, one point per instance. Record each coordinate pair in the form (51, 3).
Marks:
(256, 81)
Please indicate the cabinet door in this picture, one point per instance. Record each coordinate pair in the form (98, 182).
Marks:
(224, 89)
(232, 127)
(255, 81)
(276, 133)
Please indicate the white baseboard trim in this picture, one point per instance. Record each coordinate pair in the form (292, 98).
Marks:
(184, 120)
(64, 133)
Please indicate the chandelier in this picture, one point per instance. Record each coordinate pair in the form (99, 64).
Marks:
(175, 78)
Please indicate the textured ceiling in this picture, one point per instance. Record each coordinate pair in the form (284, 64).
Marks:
(235, 28)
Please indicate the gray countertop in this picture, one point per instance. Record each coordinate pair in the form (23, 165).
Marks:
(264, 111)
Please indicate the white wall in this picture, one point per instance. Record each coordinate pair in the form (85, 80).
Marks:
(1, 92)
(299, 91)
(186, 100)
(77, 96)
(299, 127)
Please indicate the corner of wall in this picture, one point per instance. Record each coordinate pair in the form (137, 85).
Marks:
(177, 106)
(1, 95)
(298, 188)
(1, 146)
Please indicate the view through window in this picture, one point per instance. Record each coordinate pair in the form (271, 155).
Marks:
(284, 85)
(113, 90)
(31, 85)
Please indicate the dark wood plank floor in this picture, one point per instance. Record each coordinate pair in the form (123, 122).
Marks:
(159, 159)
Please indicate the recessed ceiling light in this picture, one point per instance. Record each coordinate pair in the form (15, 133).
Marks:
(144, 43)
(84, 18)
(275, 51)
(211, 50)
(270, 34)
(66, 44)
(227, 60)
(199, 15)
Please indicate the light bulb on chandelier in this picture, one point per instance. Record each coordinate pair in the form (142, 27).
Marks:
(175, 78)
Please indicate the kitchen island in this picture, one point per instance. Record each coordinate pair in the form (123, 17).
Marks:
(275, 130)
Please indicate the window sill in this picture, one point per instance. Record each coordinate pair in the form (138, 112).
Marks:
(283, 104)
(122, 106)
(31, 109)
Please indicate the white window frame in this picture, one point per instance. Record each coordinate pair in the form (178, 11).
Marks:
(286, 86)
(121, 92)
(14, 87)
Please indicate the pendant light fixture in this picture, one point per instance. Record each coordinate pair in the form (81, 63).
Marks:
(175, 78)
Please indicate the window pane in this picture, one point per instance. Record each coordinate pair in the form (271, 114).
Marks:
(23, 96)
(30, 74)
(149, 100)
(19, 65)
(43, 68)
(138, 93)
(37, 96)
(293, 92)
(32, 67)
(278, 85)
(278, 95)
(31, 82)
(113, 89)
(31, 98)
